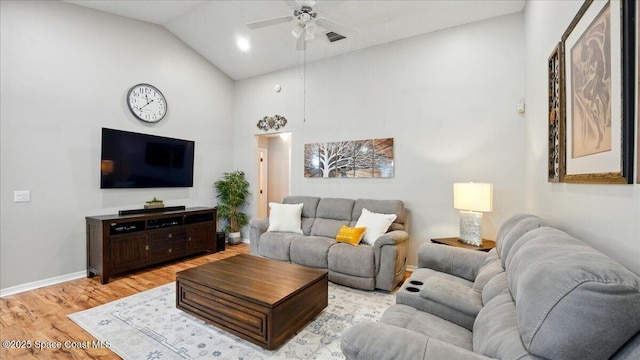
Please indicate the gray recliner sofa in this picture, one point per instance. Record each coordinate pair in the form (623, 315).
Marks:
(381, 266)
(540, 294)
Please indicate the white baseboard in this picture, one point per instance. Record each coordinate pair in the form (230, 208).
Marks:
(41, 283)
(52, 281)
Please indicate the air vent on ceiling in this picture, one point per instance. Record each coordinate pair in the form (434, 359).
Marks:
(333, 36)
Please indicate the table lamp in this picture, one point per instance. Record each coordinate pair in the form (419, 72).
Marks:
(472, 199)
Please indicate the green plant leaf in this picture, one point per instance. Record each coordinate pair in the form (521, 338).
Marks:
(232, 192)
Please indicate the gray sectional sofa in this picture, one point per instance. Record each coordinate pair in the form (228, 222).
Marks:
(540, 294)
(381, 266)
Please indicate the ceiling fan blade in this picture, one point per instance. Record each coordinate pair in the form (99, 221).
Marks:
(269, 22)
(335, 27)
(293, 4)
(301, 44)
(326, 5)
(309, 3)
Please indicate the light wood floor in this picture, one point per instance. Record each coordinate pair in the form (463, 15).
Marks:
(41, 315)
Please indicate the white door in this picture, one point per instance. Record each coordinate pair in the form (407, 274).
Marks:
(263, 177)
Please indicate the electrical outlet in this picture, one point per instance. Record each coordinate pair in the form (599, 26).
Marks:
(21, 196)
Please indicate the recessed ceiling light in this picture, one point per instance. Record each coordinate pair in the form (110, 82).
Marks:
(243, 44)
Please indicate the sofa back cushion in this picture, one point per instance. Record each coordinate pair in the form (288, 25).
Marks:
(495, 331)
(511, 232)
(331, 214)
(381, 207)
(309, 206)
(489, 268)
(572, 302)
(494, 287)
(630, 350)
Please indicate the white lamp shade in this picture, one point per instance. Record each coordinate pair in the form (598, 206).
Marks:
(473, 196)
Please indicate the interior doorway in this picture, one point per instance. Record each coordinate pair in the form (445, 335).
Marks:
(273, 161)
(263, 188)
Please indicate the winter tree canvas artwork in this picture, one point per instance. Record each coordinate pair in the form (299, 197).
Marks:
(359, 158)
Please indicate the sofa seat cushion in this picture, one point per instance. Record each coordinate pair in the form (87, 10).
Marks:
(446, 296)
(276, 245)
(495, 332)
(572, 301)
(352, 260)
(311, 251)
(410, 318)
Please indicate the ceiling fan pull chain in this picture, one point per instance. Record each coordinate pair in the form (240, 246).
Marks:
(304, 85)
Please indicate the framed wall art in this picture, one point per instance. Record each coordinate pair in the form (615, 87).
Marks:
(599, 67)
(356, 158)
(556, 116)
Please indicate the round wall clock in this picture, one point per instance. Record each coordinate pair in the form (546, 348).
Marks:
(147, 103)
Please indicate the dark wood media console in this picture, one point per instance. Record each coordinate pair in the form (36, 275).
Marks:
(119, 243)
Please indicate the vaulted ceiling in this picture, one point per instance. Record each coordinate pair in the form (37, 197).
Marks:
(212, 28)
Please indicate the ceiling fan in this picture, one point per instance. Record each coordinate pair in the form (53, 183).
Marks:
(306, 18)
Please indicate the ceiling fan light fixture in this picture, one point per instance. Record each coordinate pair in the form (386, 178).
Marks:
(297, 30)
(310, 30)
(306, 23)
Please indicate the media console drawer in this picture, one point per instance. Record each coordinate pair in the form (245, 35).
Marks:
(167, 244)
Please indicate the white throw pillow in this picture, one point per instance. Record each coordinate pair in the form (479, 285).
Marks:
(285, 218)
(376, 224)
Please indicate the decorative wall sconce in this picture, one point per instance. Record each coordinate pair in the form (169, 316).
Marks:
(274, 122)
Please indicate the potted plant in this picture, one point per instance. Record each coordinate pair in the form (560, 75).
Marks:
(154, 204)
(232, 193)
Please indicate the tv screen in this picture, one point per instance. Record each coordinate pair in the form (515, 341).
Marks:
(132, 160)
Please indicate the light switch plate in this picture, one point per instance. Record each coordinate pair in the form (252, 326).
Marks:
(21, 196)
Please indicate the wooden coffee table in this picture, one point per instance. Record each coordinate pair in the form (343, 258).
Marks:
(260, 300)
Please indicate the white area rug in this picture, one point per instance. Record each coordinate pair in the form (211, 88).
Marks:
(149, 326)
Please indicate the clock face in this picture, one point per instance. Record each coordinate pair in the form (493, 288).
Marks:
(147, 103)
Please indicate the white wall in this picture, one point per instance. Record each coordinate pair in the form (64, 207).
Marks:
(449, 100)
(65, 73)
(606, 216)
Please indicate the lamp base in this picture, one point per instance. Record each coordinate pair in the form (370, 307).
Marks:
(471, 227)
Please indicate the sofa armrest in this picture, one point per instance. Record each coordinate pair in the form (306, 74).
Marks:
(381, 341)
(390, 254)
(256, 228)
(459, 262)
(394, 237)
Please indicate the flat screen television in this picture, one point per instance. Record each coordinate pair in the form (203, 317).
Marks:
(133, 160)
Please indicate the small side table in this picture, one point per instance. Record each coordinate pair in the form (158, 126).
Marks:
(486, 244)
